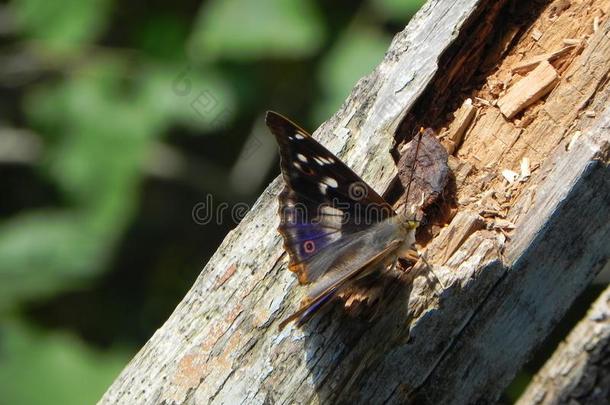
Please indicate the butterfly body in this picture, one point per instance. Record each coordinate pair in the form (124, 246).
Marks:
(336, 228)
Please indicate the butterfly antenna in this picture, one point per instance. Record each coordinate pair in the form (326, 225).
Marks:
(421, 132)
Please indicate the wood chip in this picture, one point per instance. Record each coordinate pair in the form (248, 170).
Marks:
(528, 90)
(463, 118)
(483, 101)
(461, 170)
(487, 213)
(572, 41)
(525, 169)
(500, 223)
(536, 34)
(559, 7)
(509, 175)
(451, 238)
(596, 24)
(590, 113)
(530, 64)
(573, 140)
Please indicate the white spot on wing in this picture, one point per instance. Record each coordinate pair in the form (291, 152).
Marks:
(318, 161)
(323, 188)
(331, 182)
(297, 165)
(299, 135)
(331, 217)
(302, 158)
(328, 210)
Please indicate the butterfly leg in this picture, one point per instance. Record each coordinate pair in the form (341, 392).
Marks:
(412, 255)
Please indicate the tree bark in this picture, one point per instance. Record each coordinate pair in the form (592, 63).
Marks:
(512, 259)
(579, 370)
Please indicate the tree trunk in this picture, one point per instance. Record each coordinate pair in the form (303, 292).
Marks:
(512, 260)
(579, 370)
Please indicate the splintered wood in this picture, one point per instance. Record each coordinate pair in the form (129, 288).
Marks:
(541, 92)
(528, 65)
(546, 96)
(452, 139)
(447, 243)
(528, 90)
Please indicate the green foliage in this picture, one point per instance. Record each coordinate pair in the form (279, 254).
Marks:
(62, 25)
(99, 137)
(162, 36)
(101, 127)
(40, 368)
(244, 29)
(199, 98)
(94, 113)
(397, 9)
(355, 55)
(44, 252)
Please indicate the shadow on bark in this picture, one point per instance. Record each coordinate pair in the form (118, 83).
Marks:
(339, 358)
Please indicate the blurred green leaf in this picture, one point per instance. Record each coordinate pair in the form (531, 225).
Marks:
(356, 54)
(44, 252)
(245, 30)
(99, 124)
(162, 36)
(398, 9)
(197, 98)
(53, 368)
(62, 25)
(95, 114)
(100, 131)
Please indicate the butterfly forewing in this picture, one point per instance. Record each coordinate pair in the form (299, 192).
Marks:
(323, 202)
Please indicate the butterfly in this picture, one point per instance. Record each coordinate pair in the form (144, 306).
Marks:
(336, 228)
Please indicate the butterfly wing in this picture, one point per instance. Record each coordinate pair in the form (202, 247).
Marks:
(323, 293)
(323, 202)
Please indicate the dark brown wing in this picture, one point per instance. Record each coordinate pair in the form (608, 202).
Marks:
(323, 202)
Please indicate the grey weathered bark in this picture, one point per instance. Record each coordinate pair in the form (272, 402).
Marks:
(457, 345)
(579, 370)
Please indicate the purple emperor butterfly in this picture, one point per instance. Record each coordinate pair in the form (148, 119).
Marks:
(336, 228)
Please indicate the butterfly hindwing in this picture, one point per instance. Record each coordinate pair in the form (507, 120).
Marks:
(323, 202)
(321, 295)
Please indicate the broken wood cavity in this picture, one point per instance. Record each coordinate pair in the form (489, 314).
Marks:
(484, 82)
(517, 124)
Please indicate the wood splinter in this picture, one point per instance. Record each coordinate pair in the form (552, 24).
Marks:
(529, 64)
(455, 134)
(528, 90)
